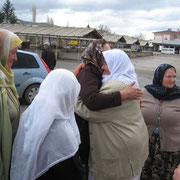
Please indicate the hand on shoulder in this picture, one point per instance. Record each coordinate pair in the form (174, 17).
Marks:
(131, 92)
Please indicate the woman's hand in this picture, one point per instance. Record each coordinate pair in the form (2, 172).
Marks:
(131, 92)
(176, 175)
(141, 103)
(78, 68)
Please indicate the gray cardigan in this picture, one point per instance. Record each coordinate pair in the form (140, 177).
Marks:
(165, 116)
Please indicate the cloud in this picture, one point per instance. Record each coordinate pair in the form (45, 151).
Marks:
(95, 5)
(122, 17)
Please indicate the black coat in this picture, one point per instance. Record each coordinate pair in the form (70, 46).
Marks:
(49, 58)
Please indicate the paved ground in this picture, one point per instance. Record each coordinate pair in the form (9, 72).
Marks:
(144, 66)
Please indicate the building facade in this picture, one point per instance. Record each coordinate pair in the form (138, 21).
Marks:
(167, 35)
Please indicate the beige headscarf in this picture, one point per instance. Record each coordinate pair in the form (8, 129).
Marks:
(8, 41)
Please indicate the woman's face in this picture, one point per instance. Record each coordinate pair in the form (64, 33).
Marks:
(105, 69)
(12, 57)
(169, 78)
(106, 47)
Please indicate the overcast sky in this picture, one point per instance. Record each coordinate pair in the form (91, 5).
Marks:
(124, 17)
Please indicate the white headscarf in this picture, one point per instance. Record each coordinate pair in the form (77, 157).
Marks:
(47, 133)
(120, 66)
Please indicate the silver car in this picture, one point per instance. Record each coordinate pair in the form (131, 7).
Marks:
(29, 71)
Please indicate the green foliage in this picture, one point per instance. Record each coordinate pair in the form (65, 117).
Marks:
(1, 17)
(13, 19)
(8, 14)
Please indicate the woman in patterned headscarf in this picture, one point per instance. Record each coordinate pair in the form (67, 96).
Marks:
(9, 105)
(161, 111)
(90, 78)
(118, 135)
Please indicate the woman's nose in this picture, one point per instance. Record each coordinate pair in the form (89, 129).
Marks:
(15, 57)
(102, 67)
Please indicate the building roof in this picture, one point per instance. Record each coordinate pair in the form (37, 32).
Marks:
(131, 40)
(171, 43)
(175, 43)
(112, 37)
(150, 43)
(167, 32)
(143, 43)
(124, 39)
(57, 31)
(156, 41)
(70, 33)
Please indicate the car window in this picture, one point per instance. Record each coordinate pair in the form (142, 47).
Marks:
(25, 61)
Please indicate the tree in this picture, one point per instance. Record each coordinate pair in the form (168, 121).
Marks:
(50, 21)
(13, 19)
(8, 12)
(140, 36)
(1, 17)
(47, 20)
(34, 14)
(67, 23)
(102, 28)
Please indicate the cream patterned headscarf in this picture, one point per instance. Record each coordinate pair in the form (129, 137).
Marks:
(93, 54)
(8, 41)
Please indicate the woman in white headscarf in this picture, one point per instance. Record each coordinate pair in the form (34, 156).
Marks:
(118, 135)
(48, 136)
(9, 104)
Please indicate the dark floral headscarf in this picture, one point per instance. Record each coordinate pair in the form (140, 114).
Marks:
(93, 54)
(157, 90)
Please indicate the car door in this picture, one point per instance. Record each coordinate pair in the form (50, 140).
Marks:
(22, 72)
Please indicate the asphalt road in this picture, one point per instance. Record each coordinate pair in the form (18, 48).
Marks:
(144, 66)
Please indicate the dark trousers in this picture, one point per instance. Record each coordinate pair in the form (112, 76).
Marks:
(65, 170)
